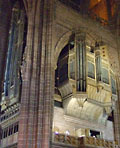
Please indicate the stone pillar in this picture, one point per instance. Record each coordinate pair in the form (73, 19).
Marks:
(108, 5)
(5, 17)
(38, 78)
(117, 109)
(118, 26)
(117, 115)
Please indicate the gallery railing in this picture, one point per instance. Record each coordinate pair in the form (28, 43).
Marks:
(83, 141)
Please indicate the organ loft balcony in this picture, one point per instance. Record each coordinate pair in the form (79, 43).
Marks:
(85, 82)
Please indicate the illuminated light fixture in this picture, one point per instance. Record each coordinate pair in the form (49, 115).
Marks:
(82, 136)
(67, 133)
(56, 132)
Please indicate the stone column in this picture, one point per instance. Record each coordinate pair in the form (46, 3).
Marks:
(117, 115)
(118, 26)
(108, 5)
(117, 110)
(38, 78)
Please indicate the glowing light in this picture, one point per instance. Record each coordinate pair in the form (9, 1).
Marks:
(67, 133)
(56, 132)
(82, 136)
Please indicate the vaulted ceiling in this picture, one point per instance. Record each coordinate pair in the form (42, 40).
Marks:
(105, 9)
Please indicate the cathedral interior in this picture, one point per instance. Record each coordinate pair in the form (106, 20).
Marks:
(59, 73)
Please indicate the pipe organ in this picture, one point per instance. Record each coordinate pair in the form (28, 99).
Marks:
(85, 80)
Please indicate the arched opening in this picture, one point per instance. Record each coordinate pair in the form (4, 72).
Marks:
(85, 89)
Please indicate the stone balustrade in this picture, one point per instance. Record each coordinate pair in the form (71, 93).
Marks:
(94, 142)
(83, 141)
(66, 139)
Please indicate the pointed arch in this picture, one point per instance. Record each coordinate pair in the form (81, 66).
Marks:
(64, 39)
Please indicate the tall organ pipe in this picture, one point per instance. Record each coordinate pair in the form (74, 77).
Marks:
(81, 63)
(98, 63)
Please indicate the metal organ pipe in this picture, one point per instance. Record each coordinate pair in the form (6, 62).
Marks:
(81, 63)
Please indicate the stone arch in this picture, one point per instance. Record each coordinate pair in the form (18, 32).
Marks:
(60, 45)
(91, 38)
(63, 40)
